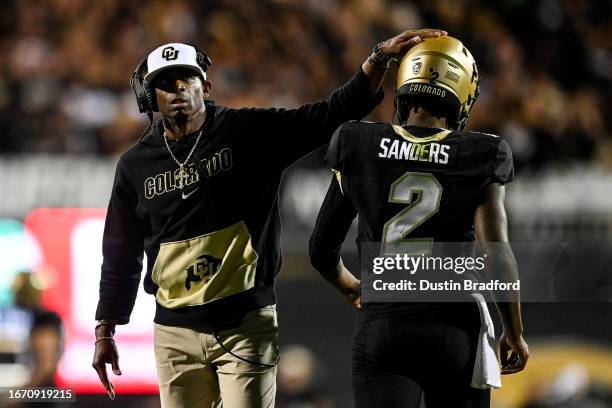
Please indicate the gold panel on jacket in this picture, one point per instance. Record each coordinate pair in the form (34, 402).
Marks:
(202, 269)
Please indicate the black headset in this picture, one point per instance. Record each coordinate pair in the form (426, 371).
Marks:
(145, 94)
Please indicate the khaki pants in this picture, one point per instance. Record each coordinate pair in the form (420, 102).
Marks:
(194, 371)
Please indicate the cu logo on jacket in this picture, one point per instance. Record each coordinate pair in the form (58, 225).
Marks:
(170, 53)
(203, 270)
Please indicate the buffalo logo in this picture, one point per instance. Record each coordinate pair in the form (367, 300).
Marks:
(170, 53)
(416, 67)
(203, 270)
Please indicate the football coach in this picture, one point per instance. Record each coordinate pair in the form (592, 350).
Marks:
(198, 194)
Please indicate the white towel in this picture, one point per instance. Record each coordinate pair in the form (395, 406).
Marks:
(486, 372)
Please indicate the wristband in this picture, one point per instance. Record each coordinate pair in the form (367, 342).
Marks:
(380, 58)
(377, 65)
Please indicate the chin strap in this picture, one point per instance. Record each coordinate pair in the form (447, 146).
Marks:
(395, 114)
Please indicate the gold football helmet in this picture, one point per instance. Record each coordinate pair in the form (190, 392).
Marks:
(439, 75)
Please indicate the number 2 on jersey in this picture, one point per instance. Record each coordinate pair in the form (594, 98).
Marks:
(422, 193)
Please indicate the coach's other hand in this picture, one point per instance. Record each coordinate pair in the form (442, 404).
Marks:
(514, 353)
(399, 45)
(106, 353)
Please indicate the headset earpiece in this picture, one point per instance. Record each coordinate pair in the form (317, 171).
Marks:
(136, 84)
(141, 89)
(149, 93)
(202, 58)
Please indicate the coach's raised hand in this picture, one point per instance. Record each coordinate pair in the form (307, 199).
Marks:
(399, 45)
(106, 353)
(394, 48)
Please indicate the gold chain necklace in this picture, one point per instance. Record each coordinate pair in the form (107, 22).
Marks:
(182, 174)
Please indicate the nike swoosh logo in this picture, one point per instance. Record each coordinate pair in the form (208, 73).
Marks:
(186, 196)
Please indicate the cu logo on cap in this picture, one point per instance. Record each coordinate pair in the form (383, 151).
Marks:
(170, 53)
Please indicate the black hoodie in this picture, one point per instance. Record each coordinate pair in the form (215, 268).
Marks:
(213, 247)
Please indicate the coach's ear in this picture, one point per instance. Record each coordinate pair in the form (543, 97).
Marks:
(206, 88)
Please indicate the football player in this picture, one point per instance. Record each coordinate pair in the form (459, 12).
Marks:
(425, 178)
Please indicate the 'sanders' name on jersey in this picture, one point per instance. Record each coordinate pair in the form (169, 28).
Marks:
(404, 150)
(168, 181)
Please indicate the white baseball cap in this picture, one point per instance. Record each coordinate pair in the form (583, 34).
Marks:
(172, 55)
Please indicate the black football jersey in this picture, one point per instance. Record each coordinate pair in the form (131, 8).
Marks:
(410, 187)
(413, 183)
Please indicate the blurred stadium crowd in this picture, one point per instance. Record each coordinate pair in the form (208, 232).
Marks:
(65, 64)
